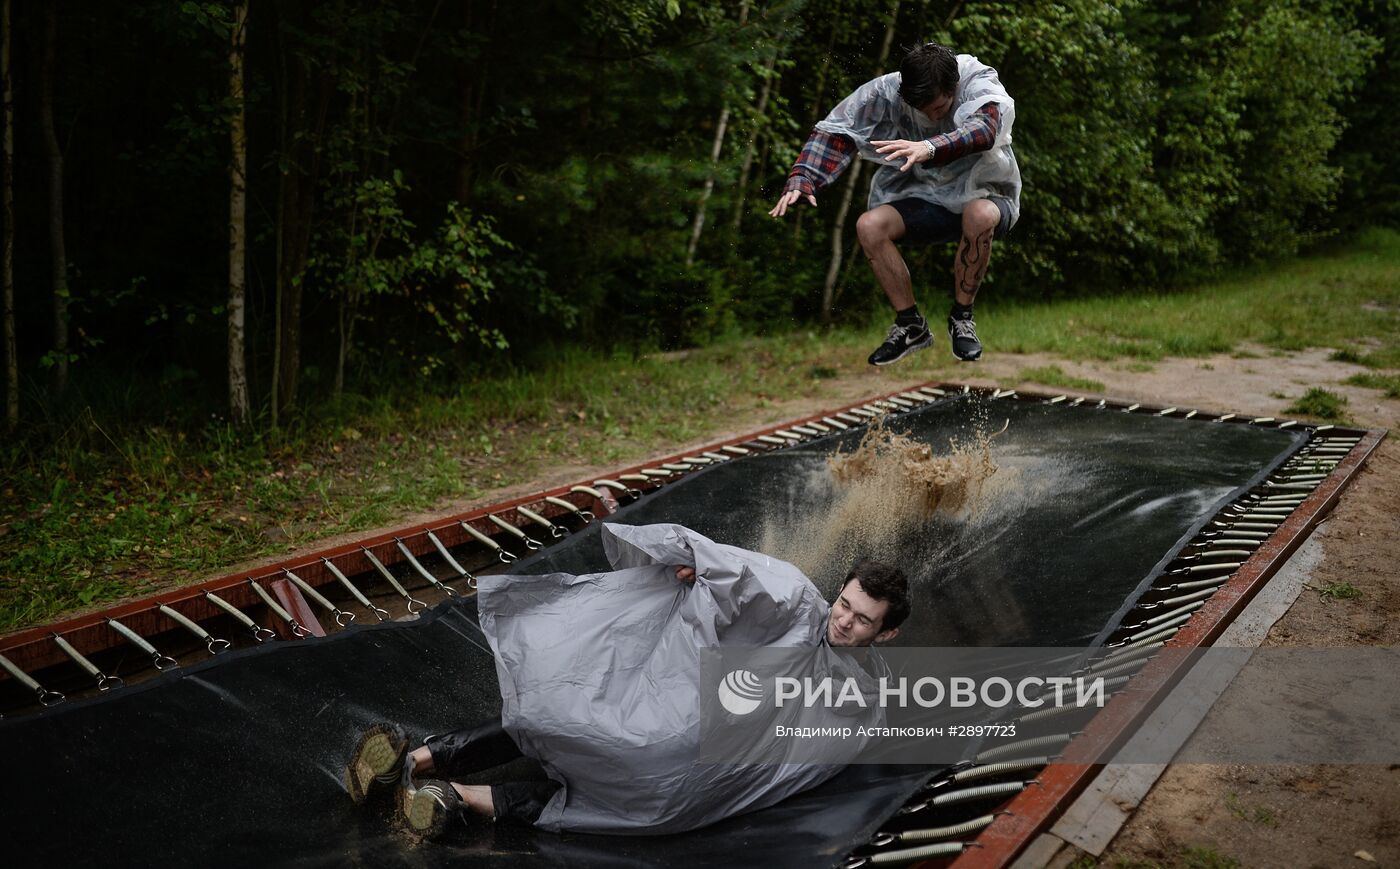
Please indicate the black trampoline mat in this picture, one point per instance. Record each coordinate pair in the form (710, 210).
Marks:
(237, 761)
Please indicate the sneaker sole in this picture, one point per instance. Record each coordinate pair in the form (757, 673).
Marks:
(927, 342)
(425, 816)
(968, 358)
(379, 753)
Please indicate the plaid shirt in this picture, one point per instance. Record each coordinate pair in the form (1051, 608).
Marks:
(826, 156)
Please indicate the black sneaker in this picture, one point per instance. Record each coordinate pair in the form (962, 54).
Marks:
(902, 341)
(430, 807)
(378, 762)
(963, 332)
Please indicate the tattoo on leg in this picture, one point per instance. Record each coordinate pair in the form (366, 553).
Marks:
(971, 265)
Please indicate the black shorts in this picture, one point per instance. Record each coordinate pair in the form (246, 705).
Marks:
(926, 223)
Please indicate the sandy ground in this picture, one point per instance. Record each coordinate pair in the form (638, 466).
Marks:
(1257, 816)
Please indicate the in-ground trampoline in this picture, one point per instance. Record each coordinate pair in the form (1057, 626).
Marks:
(1125, 523)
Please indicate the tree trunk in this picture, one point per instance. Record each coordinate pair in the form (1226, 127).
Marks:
(7, 251)
(697, 226)
(237, 223)
(57, 249)
(838, 249)
(833, 269)
(759, 108)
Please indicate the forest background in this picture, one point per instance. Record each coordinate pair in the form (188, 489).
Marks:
(236, 232)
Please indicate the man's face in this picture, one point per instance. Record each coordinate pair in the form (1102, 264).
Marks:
(939, 108)
(856, 618)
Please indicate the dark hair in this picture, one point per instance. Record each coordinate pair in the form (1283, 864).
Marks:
(885, 583)
(928, 72)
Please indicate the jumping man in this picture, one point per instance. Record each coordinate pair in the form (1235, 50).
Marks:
(940, 129)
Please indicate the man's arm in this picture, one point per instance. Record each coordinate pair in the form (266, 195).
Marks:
(979, 133)
(823, 159)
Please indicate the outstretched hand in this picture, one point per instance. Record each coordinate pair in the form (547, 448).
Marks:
(903, 149)
(685, 574)
(787, 199)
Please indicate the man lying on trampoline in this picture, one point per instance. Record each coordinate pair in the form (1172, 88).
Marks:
(600, 684)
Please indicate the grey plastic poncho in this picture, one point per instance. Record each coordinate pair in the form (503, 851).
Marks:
(876, 112)
(600, 678)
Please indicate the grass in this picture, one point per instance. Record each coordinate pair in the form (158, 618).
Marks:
(1053, 375)
(98, 510)
(1261, 815)
(1319, 404)
(1389, 384)
(1336, 591)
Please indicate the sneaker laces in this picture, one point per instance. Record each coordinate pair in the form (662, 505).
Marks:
(900, 333)
(964, 328)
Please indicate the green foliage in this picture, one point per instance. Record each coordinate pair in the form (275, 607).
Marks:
(1389, 384)
(1336, 591)
(1319, 404)
(1053, 375)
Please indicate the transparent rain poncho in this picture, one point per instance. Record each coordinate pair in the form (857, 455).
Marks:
(876, 112)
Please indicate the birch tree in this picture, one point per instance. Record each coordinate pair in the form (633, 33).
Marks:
(237, 221)
(697, 226)
(848, 192)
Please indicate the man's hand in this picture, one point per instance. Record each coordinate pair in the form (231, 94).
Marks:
(903, 149)
(685, 574)
(787, 199)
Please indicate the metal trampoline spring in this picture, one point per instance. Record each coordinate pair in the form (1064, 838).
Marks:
(46, 697)
(389, 577)
(590, 491)
(158, 660)
(259, 632)
(502, 553)
(911, 855)
(336, 612)
(636, 478)
(1110, 661)
(678, 468)
(902, 402)
(880, 840)
(1078, 401)
(1225, 418)
(1047, 712)
(1190, 607)
(1162, 635)
(605, 484)
(771, 439)
(1155, 629)
(1058, 740)
(1261, 420)
(932, 390)
(698, 460)
(584, 516)
(657, 473)
(298, 630)
(213, 644)
(1128, 663)
(1189, 414)
(379, 612)
(1167, 412)
(1056, 400)
(835, 423)
(104, 682)
(530, 542)
(736, 450)
(1289, 424)
(819, 428)
(850, 418)
(1185, 598)
(989, 770)
(426, 574)
(1132, 407)
(1214, 553)
(719, 457)
(557, 531)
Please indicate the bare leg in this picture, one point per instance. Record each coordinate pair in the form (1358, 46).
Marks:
(979, 223)
(422, 759)
(878, 229)
(477, 798)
